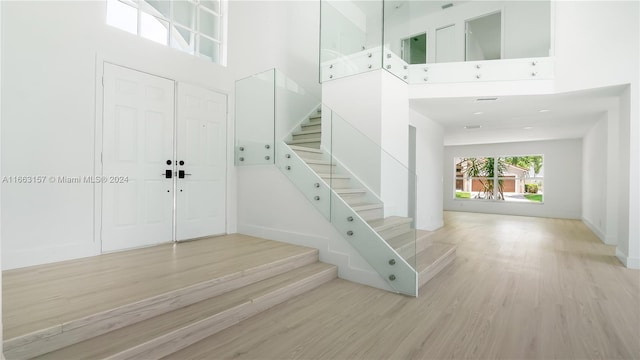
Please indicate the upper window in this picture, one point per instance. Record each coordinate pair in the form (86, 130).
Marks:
(503, 178)
(192, 26)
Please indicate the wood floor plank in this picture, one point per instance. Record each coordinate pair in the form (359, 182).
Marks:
(47, 295)
(520, 288)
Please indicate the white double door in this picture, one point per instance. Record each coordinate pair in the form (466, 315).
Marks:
(163, 160)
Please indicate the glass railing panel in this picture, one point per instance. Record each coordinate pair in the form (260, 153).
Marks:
(401, 47)
(314, 189)
(293, 106)
(393, 268)
(350, 37)
(376, 186)
(255, 119)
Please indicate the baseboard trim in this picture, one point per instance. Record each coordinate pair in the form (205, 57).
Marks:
(596, 231)
(629, 262)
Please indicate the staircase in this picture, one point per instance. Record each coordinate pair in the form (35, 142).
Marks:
(425, 257)
(258, 276)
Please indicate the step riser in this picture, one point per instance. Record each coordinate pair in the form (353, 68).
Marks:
(35, 344)
(189, 335)
(411, 249)
(338, 183)
(315, 127)
(371, 214)
(305, 136)
(395, 231)
(353, 199)
(309, 155)
(322, 168)
(428, 274)
(309, 144)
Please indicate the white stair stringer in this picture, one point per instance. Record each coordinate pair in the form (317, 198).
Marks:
(396, 271)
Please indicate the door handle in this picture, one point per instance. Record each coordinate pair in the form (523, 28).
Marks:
(182, 174)
(168, 174)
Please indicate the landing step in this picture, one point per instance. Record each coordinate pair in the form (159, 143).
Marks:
(389, 222)
(432, 260)
(165, 334)
(51, 306)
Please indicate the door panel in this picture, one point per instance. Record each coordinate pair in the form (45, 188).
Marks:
(201, 144)
(138, 131)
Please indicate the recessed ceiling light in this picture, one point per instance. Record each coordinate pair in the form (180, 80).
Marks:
(471, 127)
(487, 99)
(528, 127)
(544, 110)
(478, 113)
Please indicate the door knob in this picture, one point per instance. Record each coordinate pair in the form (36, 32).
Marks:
(168, 174)
(182, 174)
(181, 162)
(169, 162)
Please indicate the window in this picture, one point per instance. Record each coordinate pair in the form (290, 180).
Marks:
(192, 26)
(502, 178)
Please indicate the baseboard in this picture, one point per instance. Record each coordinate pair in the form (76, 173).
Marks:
(351, 265)
(596, 231)
(629, 262)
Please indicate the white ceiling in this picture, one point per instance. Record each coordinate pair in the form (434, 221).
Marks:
(518, 118)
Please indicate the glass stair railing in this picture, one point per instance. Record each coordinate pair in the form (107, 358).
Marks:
(336, 167)
(357, 186)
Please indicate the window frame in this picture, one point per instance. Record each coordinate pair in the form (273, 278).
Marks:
(458, 175)
(174, 27)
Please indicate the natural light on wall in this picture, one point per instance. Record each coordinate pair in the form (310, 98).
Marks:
(503, 178)
(192, 26)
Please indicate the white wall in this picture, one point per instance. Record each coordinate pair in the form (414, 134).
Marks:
(526, 28)
(594, 178)
(51, 103)
(1, 174)
(270, 206)
(614, 27)
(562, 185)
(429, 157)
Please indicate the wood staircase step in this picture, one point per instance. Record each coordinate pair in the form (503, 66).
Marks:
(311, 127)
(309, 134)
(430, 261)
(309, 143)
(369, 211)
(392, 226)
(167, 333)
(115, 297)
(307, 153)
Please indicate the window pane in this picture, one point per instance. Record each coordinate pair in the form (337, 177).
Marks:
(209, 49)
(183, 39)
(209, 24)
(122, 16)
(211, 4)
(483, 38)
(184, 13)
(163, 7)
(154, 29)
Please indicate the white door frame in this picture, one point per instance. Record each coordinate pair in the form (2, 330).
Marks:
(97, 163)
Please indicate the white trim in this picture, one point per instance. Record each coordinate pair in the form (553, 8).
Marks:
(629, 262)
(596, 231)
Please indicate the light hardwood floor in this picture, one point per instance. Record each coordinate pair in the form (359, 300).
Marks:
(520, 288)
(51, 295)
